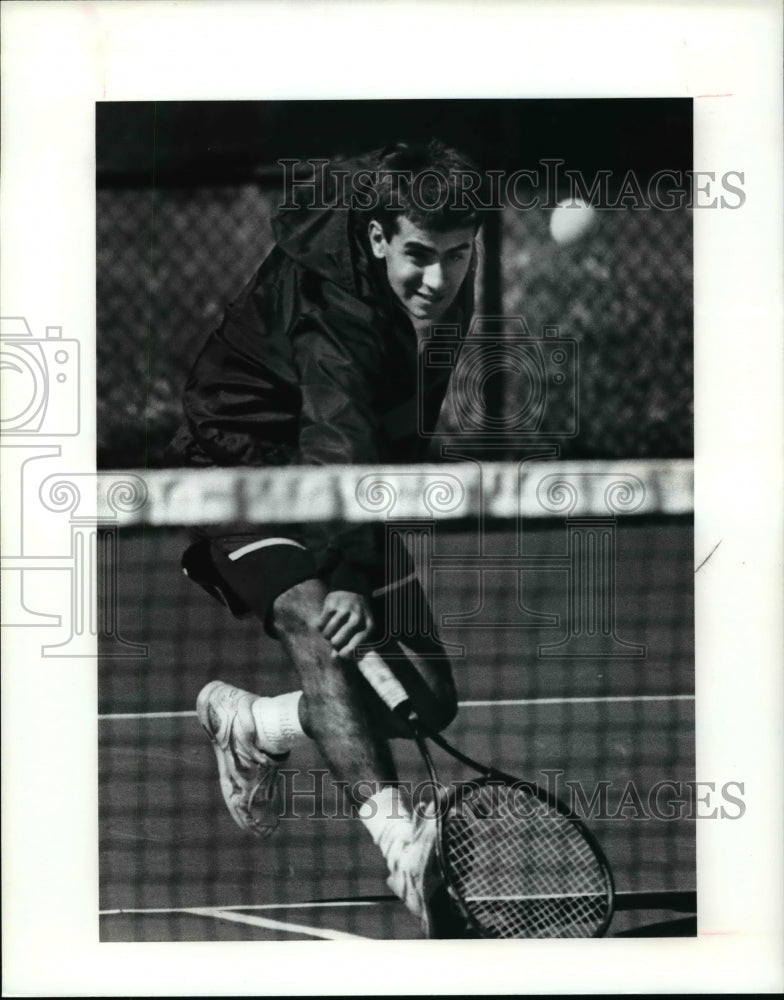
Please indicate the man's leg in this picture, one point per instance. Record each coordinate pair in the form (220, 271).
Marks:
(351, 726)
(273, 578)
(333, 709)
(334, 713)
(336, 707)
(345, 718)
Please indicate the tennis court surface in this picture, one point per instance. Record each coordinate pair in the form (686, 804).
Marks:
(609, 727)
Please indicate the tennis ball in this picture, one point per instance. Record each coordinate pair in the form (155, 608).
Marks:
(571, 220)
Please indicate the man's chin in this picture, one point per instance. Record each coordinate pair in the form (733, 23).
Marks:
(432, 311)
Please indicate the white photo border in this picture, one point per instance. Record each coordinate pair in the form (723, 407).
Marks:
(58, 59)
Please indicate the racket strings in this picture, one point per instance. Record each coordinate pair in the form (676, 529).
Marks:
(522, 869)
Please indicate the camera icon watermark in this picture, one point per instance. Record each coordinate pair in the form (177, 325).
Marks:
(40, 381)
(506, 382)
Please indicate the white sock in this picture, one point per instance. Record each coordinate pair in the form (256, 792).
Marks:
(277, 722)
(387, 818)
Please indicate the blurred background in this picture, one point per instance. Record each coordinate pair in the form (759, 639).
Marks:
(185, 196)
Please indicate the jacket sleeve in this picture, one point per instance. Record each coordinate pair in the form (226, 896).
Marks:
(241, 399)
(339, 425)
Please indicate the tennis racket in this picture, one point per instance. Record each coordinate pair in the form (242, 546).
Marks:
(516, 863)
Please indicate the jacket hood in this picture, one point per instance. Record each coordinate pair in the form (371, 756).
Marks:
(318, 233)
(321, 235)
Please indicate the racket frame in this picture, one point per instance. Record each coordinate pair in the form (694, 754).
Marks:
(490, 774)
(394, 695)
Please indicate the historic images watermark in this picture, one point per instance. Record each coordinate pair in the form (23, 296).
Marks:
(543, 407)
(494, 190)
(540, 372)
(313, 794)
(41, 404)
(587, 562)
(539, 407)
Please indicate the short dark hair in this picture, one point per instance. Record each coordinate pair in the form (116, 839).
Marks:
(426, 184)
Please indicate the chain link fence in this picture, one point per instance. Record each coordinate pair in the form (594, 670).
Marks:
(169, 259)
(625, 296)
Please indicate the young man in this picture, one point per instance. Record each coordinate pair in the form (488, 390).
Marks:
(315, 363)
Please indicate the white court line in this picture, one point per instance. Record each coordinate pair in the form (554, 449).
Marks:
(146, 715)
(229, 913)
(276, 925)
(320, 904)
(502, 703)
(248, 906)
(576, 701)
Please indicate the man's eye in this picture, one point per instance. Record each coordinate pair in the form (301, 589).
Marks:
(457, 257)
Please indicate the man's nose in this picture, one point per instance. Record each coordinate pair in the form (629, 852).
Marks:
(434, 277)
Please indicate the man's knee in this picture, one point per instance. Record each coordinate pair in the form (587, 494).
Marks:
(296, 611)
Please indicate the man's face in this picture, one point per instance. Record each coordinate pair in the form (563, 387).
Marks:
(425, 270)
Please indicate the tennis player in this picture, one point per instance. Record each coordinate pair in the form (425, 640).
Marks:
(316, 362)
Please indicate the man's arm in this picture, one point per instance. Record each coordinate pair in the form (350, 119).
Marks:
(339, 425)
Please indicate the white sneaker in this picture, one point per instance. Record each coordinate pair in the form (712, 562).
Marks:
(416, 879)
(248, 775)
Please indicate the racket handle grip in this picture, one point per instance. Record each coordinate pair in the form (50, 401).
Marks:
(384, 683)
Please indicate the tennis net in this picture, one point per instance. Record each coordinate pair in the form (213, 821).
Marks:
(564, 593)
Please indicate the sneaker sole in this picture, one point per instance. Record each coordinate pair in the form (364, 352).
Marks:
(228, 783)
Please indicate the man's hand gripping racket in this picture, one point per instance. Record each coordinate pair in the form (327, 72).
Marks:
(516, 864)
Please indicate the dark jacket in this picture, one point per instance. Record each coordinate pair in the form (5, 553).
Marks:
(315, 363)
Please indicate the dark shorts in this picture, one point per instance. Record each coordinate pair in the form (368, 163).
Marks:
(247, 573)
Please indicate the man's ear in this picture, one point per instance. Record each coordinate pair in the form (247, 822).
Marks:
(378, 242)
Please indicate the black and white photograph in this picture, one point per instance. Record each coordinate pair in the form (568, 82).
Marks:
(474, 320)
(380, 429)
